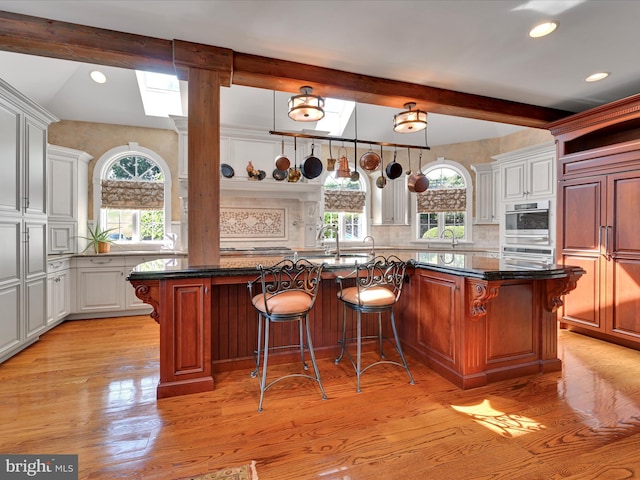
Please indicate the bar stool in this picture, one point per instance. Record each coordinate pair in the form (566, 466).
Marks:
(378, 285)
(287, 293)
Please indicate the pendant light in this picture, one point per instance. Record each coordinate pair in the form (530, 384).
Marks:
(410, 120)
(306, 107)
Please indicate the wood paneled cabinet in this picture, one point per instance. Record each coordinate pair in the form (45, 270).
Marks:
(601, 234)
(598, 225)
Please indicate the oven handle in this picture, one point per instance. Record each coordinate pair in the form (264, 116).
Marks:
(533, 210)
(524, 235)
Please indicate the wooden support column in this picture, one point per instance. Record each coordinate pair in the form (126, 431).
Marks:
(204, 167)
(206, 69)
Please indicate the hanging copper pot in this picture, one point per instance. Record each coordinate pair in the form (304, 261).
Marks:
(370, 160)
(282, 161)
(294, 174)
(418, 182)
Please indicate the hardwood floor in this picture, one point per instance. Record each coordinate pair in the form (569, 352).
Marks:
(88, 387)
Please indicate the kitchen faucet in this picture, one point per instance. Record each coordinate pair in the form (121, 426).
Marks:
(334, 229)
(373, 244)
(454, 241)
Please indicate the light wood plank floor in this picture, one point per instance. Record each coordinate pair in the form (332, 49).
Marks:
(88, 387)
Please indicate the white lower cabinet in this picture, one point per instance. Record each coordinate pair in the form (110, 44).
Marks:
(100, 283)
(58, 291)
(102, 288)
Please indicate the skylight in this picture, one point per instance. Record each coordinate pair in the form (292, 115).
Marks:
(160, 94)
(336, 116)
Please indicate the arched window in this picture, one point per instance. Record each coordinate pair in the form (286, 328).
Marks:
(444, 209)
(132, 194)
(345, 205)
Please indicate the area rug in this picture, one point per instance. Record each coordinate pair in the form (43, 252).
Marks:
(243, 472)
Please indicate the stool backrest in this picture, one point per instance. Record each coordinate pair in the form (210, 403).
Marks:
(381, 271)
(288, 276)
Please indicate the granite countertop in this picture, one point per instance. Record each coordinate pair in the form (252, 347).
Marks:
(481, 265)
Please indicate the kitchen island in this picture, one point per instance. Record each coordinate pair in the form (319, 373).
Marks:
(463, 314)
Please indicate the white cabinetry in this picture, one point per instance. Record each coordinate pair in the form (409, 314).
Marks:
(102, 288)
(487, 193)
(23, 220)
(390, 203)
(67, 182)
(58, 291)
(100, 283)
(528, 173)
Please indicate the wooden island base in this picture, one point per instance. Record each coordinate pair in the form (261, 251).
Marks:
(470, 330)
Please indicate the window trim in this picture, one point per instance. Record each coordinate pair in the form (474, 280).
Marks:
(106, 161)
(366, 187)
(441, 162)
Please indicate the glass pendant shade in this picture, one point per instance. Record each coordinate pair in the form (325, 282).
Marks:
(306, 107)
(410, 120)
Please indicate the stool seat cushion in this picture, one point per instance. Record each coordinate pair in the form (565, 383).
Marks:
(377, 296)
(284, 303)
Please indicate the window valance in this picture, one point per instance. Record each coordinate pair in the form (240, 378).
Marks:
(443, 200)
(344, 201)
(132, 195)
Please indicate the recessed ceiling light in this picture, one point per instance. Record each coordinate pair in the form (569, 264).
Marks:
(98, 77)
(543, 29)
(597, 76)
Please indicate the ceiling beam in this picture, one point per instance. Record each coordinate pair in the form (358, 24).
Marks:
(50, 38)
(79, 43)
(285, 76)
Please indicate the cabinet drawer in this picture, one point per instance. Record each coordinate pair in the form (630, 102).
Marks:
(56, 265)
(100, 261)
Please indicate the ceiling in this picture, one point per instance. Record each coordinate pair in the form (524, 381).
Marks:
(477, 47)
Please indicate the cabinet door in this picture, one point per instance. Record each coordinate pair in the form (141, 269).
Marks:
(35, 306)
(51, 299)
(513, 181)
(580, 240)
(36, 249)
(63, 294)
(35, 168)
(484, 193)
(622, 246)
(62, 238)
(10, 183)
(185, 331)
(540, 176)
(10, 319)
(61, 181)
(100, 289)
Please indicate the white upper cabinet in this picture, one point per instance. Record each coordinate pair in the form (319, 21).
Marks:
(67, 195)
(11, 158)
(487, 193)
(528, 174)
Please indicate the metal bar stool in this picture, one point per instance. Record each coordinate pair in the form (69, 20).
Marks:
(378, 285)
(287, 293)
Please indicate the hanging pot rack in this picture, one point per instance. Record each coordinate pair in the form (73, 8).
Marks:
(341, 139)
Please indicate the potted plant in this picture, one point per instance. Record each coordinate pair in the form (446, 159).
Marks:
(98, 239)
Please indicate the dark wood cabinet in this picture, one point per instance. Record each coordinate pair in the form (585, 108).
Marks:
(598, 220)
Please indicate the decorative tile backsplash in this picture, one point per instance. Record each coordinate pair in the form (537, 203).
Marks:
(255, 223)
